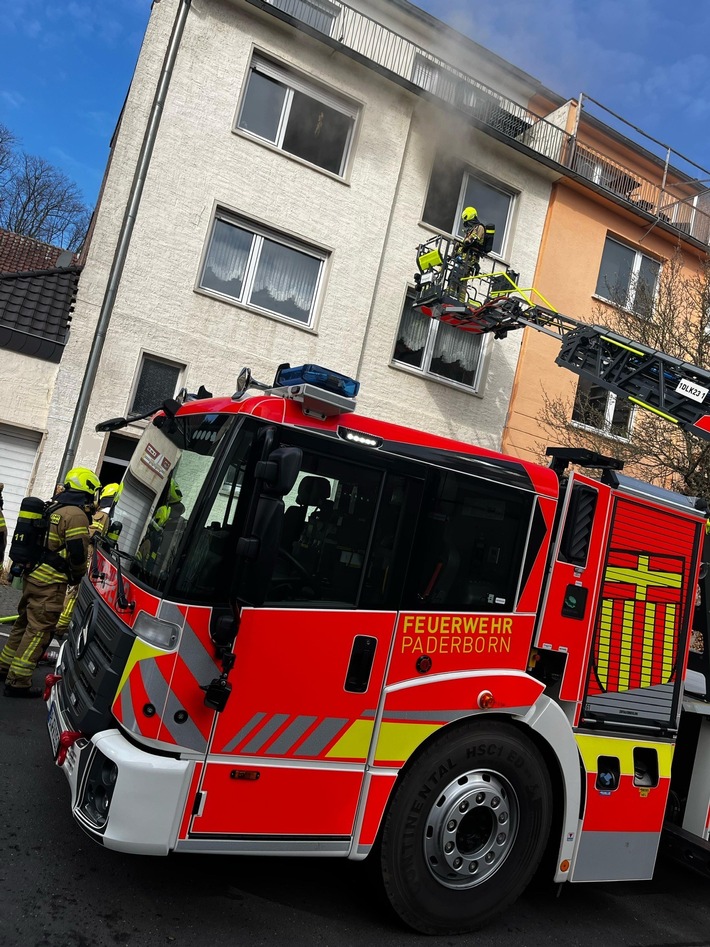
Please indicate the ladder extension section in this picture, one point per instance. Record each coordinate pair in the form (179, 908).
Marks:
(494, 303)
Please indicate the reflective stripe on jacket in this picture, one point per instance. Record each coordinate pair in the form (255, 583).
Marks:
(67, 547)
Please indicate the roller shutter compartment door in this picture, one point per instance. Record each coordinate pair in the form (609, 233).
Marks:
(18, 450)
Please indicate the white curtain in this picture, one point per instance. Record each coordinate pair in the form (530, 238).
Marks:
(286, 274)
(229, 252)
(454, 345)
(413, 329)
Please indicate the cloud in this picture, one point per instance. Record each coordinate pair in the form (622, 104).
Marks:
(10, 99)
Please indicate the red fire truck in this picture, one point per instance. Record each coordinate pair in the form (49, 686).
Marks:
(322, 634)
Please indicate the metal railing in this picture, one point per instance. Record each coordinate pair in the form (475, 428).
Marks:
(676, 204)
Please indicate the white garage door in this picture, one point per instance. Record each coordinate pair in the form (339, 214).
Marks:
(18, 450)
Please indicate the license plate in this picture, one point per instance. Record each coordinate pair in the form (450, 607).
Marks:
(53, 728)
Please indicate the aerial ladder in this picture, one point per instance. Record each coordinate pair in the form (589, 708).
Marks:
(494, 303)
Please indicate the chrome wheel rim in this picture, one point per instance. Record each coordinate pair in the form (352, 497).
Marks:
(471, 829)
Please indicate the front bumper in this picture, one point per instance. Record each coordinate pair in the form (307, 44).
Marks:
(147, 793)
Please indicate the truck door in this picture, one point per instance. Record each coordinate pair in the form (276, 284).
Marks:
(287, 756)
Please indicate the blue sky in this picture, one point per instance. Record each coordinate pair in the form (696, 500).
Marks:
(66, 65)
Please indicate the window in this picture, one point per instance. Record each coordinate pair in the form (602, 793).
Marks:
(158, 380)
(316, 13)
(627, 277)
(263, 270)
(602, 410)
(454, 186)
(437, 349)
(341, 542)
(304, 121)
(471, 537)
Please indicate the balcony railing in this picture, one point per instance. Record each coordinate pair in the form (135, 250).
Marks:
(412, 65)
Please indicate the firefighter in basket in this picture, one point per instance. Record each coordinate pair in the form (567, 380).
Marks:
(98, 527)
(467, 253)
(49, 550)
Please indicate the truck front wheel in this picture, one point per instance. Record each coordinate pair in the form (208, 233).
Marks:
(466, 828)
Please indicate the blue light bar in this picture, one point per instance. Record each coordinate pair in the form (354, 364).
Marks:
(320, 377)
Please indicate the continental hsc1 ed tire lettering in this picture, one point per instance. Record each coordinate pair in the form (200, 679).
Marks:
(466, 829)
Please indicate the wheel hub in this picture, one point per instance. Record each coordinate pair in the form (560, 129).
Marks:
(471, 829)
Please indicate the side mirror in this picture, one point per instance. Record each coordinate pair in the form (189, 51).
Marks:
(113, 424)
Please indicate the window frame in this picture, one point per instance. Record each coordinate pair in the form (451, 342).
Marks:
(294, 82)
(609, 409)
(154, 357)
(444, 165)
(428, 351)
(629, 301)
(262, 232)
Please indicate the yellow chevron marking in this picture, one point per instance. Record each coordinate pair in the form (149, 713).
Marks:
(139, 652)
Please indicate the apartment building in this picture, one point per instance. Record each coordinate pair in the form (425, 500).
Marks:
(304, 150)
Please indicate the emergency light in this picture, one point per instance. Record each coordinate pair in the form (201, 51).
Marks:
(320, 377)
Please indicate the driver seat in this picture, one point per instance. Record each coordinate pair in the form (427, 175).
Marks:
(312, 492)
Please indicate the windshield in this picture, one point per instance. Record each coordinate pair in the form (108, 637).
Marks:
(162, 487)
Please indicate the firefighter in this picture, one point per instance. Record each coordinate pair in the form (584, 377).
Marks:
(3, 531)
(161, 528)
(98, 527)
(468, 252)
(62, 561)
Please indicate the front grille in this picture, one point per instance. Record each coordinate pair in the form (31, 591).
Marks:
(98, 645)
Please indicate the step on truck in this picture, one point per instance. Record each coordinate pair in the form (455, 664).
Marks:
(350, 638)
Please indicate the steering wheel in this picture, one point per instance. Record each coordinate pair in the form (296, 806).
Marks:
(293, 585)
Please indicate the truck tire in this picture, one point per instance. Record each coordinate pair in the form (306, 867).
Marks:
(466, 828)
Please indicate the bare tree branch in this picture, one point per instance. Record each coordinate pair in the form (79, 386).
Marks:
(674, 320)
(37, 199)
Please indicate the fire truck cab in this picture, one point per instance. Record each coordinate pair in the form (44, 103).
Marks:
(323, 634)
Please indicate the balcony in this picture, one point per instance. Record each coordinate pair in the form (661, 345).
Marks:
(414, 67)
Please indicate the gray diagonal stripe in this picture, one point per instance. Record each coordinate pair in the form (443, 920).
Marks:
(264, 735)
(185, 734)
(291, 734)
(154, 683)
(201, 663)
(321, 736)
(168, 611)
(239, 736)
(127, 711)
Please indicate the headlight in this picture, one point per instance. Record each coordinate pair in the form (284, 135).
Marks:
(155, 631)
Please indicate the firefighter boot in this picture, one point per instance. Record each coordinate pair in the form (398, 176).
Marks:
(27, 692)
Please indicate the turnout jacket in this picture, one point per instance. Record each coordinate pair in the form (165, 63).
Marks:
(67, 547)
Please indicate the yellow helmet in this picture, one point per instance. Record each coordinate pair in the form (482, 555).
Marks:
(469, 214)
(174, 493)
(110, 490)
(81, 478)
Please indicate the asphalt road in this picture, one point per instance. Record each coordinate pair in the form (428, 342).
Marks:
(59, 889)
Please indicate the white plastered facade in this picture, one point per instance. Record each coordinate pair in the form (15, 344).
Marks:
(368, 224)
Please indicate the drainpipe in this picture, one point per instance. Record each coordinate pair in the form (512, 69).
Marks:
(124, 240)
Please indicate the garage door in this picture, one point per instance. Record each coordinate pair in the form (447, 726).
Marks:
(18, 450)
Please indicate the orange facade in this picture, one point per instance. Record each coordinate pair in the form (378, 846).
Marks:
(579, 221)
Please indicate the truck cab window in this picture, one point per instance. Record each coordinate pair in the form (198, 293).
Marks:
(205, 571)
(469, 546)
(327, 533)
